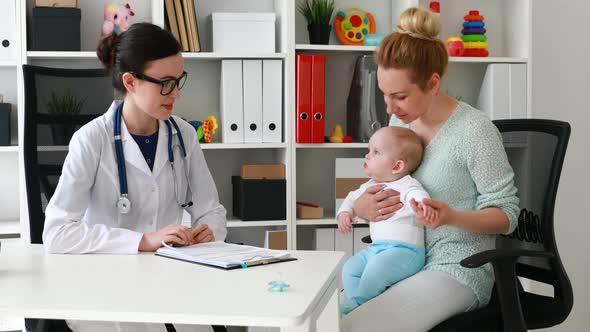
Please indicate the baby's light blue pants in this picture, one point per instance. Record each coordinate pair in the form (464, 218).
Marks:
(369, 272)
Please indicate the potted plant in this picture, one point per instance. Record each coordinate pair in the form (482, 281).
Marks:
(66, 104)
(318, 13)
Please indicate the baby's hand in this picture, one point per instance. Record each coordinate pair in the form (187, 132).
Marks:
(345, 221)
(427, 214)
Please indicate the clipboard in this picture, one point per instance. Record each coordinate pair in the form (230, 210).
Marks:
(225, 256)
(234, 267)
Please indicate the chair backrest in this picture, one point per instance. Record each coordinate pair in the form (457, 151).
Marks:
(536, 150)
(57, 102)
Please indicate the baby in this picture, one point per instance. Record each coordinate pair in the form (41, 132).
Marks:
(397, 251)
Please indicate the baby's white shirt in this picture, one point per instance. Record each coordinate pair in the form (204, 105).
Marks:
(402, 226)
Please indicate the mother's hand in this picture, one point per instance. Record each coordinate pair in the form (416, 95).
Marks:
(377, 205)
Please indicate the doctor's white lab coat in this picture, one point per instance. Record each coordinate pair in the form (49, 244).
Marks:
(82, 216)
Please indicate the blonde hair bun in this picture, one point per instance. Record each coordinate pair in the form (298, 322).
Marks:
(419, 23)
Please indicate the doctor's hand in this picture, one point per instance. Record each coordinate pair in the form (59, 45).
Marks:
(171, 234)
(201, 234)
(376, 204)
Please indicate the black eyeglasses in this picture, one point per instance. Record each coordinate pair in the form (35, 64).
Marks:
(167, 85)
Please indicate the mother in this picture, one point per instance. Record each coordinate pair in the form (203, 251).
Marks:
(466, 171)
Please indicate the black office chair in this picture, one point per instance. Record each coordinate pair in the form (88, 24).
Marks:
(536, 150)
(47, 132)
(46, 136)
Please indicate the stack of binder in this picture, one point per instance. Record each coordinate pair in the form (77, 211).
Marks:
(181, 19)
(8, 32)
(251, 101)
(310, 98)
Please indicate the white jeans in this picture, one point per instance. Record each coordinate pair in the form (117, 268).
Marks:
(415, 304)
(94, 326)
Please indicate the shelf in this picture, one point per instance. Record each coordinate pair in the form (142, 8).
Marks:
(361, 49)
(334, 48)
(237, 146)
(240, 223)
(186, 55)
(487, 60)
(333, 146)
(11, 324)
(12, 148)
(205, 146)
(324, 221)
(9, 227)
(213, 55)
(61, 55)
(52, 148)
(7, 63)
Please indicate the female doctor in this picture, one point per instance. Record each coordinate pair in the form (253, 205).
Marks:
(131, 172)
(126, 180)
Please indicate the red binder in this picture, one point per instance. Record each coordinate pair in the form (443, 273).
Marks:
(303, 99)
(318, 95)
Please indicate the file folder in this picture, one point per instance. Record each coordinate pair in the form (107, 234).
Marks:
(232, 107)
(303, 99)
(272, 101)
(252, 71)
(503, 91)
(318, 95)
(8, 31)
(227, 256)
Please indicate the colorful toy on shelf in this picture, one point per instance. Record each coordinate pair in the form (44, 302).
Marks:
(455, 46)
(474, 38)
(116, 18)
(206, 129)
(374, 39)
(337, 134)
(434, 7)
(352, 25)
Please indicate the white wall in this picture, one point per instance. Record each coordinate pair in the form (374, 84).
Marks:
(561, 69)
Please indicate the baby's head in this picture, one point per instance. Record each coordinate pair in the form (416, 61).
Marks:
(394, 152)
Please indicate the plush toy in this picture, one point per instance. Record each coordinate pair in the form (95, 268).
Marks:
(116, 19)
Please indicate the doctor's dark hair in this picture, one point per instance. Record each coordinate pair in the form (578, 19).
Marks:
(133, 49)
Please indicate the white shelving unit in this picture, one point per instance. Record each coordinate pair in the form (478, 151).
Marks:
(310, 167)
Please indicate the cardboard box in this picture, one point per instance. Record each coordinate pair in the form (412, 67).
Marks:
(56, 3)
(309, 212)
(262, 171)
(243, 32)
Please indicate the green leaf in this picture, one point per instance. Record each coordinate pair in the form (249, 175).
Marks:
(317, 11)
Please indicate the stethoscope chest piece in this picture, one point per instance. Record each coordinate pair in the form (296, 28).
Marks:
(124, 205)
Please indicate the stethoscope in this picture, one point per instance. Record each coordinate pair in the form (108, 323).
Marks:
(123, 203)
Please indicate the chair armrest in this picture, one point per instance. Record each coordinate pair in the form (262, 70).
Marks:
(504, 263)
(491, 256)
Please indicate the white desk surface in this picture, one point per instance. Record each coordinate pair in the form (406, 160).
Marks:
(148, 288)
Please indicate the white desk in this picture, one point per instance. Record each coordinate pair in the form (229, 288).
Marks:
(148, 288)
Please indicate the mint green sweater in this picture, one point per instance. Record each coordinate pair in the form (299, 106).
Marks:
(465, 165)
